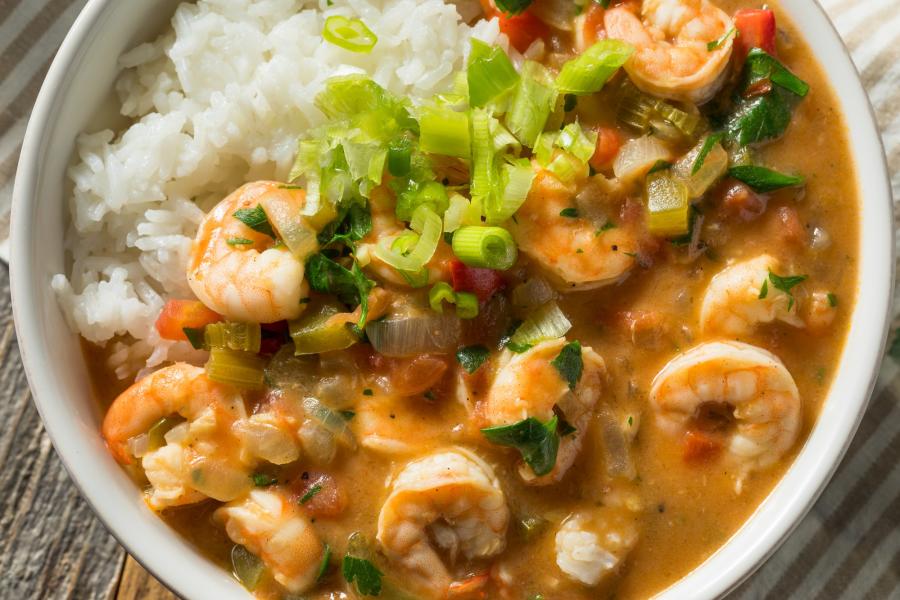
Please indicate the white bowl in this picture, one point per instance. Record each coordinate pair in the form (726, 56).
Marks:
(77, 92)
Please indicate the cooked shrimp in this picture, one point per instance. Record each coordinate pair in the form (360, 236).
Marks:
(670, 37)
(736, 300)
(578, 253)
(528, 385)
(750, 383)
(592, 544)
(253, 280)
(177, 389)
(386, 225)
(279, 532)
(453, 496)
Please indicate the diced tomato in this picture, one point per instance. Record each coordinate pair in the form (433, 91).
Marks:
(521, 29)
(417, 375)
(700, 447)
(178, 314)
(323, 496)
(755, 29)
(608, 143)
(484, 283)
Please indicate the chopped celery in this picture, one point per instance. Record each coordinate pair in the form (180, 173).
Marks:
(686, 123)
(490, 73)
(234, 336)
(314, 332)
(444, 131)
(532, 103)
(586, 73)
(241, 369)
(515, 179)
(411, 252)
(668, 206)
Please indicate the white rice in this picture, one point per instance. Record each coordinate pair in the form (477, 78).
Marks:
(216, 101)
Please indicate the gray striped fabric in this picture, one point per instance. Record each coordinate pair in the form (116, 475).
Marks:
(849, 545)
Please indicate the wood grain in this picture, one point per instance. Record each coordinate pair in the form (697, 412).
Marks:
(51, 544)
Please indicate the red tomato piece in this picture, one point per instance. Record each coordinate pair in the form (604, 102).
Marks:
(522, 29)
(320, 494)
(484, 283)
(700, 447)
(178, 314)
(608, 144)
(755, 29)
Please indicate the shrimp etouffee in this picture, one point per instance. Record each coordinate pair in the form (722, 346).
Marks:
(553, 334)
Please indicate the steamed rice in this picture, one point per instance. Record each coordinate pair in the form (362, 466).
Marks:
(216, 101)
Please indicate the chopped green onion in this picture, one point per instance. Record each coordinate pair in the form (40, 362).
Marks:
(455, 213)
(482, 168)
(234, 336)
(586, 74)
(238, 241)
(466, 305)
(430, 194)
(566, 167)
(532, 103)
(441, 292)
(574, 140)
(313, 334)
(490, 247)
(762, 179)
(515, 181)
(427, 225)
(349, 34)
(156, 435)
(490, 73)
(668, 206)
(546, 323)
(398, 157)
(444, 131)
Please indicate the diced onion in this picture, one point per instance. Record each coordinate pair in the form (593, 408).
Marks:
(415, 334)
(516, 179)
(218, 479)
(284, 213)
(266, 441)
(531, 294)
(334, 423)
(439, 293)
(546, 323)
(576, 141)
(637, 156)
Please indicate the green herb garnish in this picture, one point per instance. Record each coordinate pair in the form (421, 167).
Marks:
(323, 566)
(537, 442)
(785, 284)
(350, 286)
(569, 363)
(263, 480)
(255, 219)
(365, 574)
(196, 336)
(472, 357)
(238, 242)
(762, 179)
(832, 300)
(570, 213)
(710, 46)
(311, 493)
(660, 165)
(708, 144)
(764, 290)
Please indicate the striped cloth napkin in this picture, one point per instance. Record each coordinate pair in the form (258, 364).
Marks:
(849, 544)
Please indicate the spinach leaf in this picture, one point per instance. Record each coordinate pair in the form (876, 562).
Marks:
(569, 363)
(472, 357)
(364, 573)
(255, 219)
(537, 442)
(762, 179)
(351, 286)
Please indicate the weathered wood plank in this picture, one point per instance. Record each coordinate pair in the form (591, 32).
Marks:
(138, 584)
(51, 544)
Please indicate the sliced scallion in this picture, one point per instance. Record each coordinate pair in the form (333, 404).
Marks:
(587, 73)
(444, 131)
(490, 73)
(441, 292)
(489, 247)
(546, 323)
(349, 34)
(466, 305)
(532, 102)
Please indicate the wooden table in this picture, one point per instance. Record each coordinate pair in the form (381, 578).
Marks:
(51, 544)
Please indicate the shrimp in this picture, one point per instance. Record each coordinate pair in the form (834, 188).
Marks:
(199, 459)
(671, 58)
(528, 385)
(279, 532)
(385, 225)
(754, 387)
(253, 280)
(592, 544)
(453, 496)
(575, 251)
(741, 296)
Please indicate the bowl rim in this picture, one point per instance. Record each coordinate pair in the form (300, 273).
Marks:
(710, 578)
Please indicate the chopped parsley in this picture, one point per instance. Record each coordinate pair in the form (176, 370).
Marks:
(311, 493)
(569, 363)
(472, 357)
(570, 101)
(350, 286)
(570, 213)
(660, 165)
(708, 144)
(255, 219)
(710, 46)
(323, 566)
(537, 442)
(238, 241)
(347, 415)
(786, 284)
(263, 480)
(763, 179)
(366, 575)
(832, 300)
(764, 290)
(195, 336)
(605, 227)
(368, 392)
